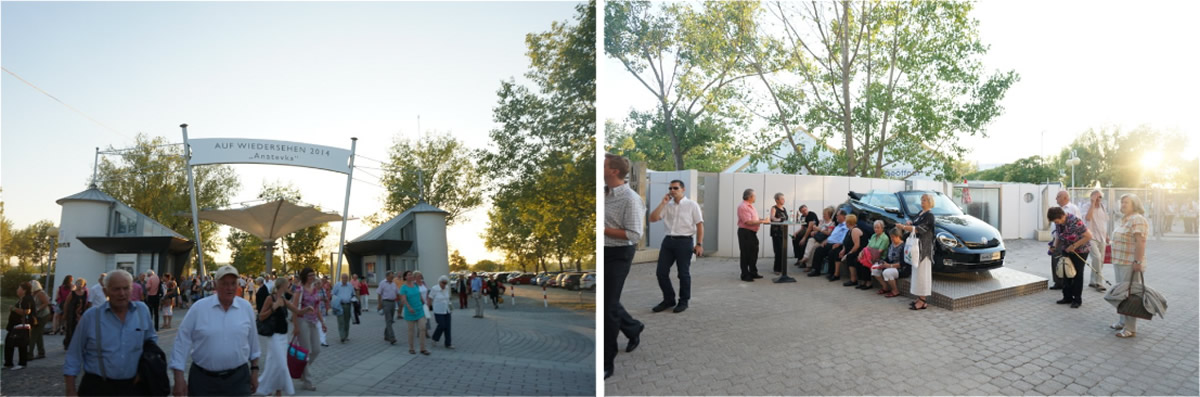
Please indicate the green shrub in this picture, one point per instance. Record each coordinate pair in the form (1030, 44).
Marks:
(13, 279)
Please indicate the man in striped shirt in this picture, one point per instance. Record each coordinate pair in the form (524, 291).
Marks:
(623, 212)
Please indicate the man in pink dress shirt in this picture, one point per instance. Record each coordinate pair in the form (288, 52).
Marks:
(748, 224)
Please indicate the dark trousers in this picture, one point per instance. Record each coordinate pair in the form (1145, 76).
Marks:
(798, 246)
(748, 246)
(1058, 282)
(820, 259)
(357, 310)
(1073, 287)
(152, 302)
(235, 384)
(17, 340)
(443, 327)
(462, 300)
(778, 244)
(617, 262)
(675, 251)
(94, 385)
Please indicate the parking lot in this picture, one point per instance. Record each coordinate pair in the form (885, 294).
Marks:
(815, 337)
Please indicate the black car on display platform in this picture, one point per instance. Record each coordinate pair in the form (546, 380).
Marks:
(963, 243)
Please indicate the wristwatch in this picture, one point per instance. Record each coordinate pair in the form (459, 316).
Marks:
(699, 245)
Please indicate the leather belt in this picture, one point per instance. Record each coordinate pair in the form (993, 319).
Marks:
(679, 237)
(219, 374)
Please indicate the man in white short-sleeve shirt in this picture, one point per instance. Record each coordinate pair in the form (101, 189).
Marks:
(684, 237)
(220, 334)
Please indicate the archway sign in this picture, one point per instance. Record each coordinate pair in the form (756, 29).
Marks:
(265, 151)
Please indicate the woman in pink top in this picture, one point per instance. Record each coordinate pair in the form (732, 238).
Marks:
(64, 292)
(307, 325)
(748, 224)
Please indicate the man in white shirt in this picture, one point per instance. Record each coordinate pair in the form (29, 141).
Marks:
(96, 292)
(343, 294)
(221, 336)
(387, 302)
(684, 237)
(623, 212)
(1095, 216)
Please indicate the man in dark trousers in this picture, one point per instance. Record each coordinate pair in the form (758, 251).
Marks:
(622, 230)
(684, 237)
(747, 233)
(800, 238)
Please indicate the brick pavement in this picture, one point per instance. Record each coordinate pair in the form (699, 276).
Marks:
(518, 350)
(819, 338)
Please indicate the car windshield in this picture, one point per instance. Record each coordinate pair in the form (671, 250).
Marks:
(941, 204)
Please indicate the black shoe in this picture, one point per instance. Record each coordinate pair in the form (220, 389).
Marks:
(834, 278)
(849, 283)
(1063, 301)
(865, 287)
(680, 307)
(748, 279)
(1075, 305)
(1056, 287)
(756, 275)
(814, 274)
(608, 373)
(636, 339)
(662, 306)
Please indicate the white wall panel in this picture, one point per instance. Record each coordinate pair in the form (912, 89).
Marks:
(859, 185)
(810, 190)
(1010, 196)
(727, 234)
(1027, 220)
(836, 188)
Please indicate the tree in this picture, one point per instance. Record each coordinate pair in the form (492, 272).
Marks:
(891, 82)
(702, 48)
(31, 245)
(543, 162)
(449, 177)
(151, 177)
(707, 145)
(6, 233)
(1027, 170)
(457, 262)
(485, 265)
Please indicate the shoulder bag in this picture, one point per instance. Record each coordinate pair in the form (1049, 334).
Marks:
(267, 327)
(1133, 304)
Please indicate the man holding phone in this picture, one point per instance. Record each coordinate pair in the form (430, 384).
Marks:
(685, 236)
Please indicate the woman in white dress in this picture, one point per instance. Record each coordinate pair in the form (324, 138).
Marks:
(275, 377)
(922, 278)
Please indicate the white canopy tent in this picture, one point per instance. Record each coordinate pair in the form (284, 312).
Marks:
(270, 221)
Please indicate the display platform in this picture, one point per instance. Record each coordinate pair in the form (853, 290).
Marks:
(956, 291)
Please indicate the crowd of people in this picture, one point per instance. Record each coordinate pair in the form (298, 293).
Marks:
(103, 346)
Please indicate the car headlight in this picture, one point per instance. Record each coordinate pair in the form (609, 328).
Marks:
(947, 240)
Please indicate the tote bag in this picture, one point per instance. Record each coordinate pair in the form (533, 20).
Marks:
(912, 250)
(297, 359)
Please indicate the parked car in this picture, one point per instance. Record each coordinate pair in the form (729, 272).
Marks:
(560, 279)
(589, 281)
(964, 243)
(572, 281)
(520, 278)
(545, 277)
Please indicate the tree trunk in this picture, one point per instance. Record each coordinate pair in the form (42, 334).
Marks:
(669, 125)
(846, 127)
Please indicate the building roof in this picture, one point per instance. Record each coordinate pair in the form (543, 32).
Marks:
(399, 220)
(91, 194)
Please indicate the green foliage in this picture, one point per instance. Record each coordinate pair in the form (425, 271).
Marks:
(543, 162)
(688, 58)
(13, 279)
(485, 265)
(880, 84)
(457, 262)
(30, 245)
(151, 178)
(1027, 170)
(450, 179)
(707, 146)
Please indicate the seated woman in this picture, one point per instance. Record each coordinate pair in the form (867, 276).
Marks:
(817, 237)
(853, 243)
(871, 256)
(888, 270)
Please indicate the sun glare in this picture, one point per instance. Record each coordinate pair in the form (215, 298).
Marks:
(1151, 159)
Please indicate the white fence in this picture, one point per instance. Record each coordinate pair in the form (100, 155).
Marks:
(1017, 210)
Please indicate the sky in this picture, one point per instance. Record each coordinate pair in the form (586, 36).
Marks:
(309, 72)
(1082, 65)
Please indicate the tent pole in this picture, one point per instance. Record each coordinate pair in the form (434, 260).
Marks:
(187, 155)
(345, 209)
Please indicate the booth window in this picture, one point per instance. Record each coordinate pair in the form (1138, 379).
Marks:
(126, 224)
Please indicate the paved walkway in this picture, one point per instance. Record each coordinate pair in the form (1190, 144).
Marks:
(815, 337)
(525, 349)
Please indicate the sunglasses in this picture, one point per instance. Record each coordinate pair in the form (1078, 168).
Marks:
(674, 188)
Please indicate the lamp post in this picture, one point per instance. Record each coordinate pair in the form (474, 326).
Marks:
(1073, 162)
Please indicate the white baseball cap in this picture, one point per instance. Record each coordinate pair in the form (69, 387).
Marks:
(225, 271)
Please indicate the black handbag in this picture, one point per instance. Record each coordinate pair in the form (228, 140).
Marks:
(1133, 304)
(267, 327)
